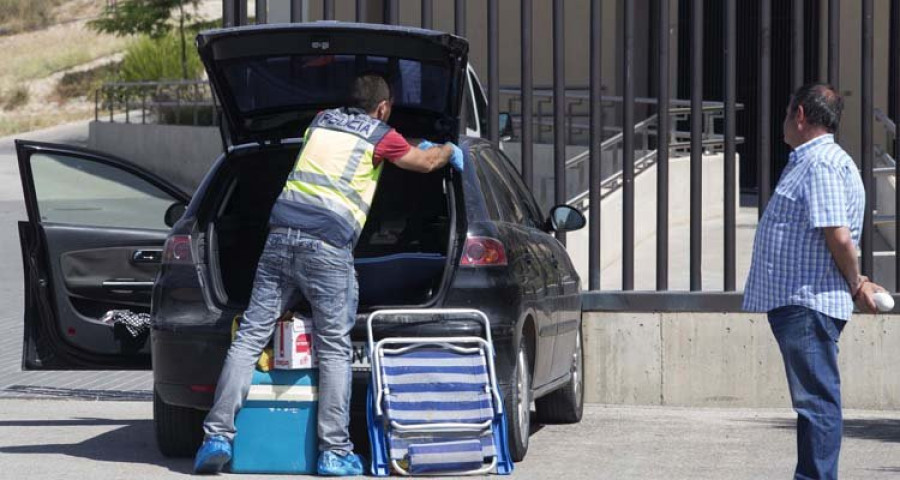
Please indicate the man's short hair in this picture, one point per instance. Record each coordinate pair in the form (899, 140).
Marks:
(821, 104)
(370, 89)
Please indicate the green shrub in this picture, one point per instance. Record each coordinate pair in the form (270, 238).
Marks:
(86, 82)
(15, 98)
(19, 15)
(149, 59)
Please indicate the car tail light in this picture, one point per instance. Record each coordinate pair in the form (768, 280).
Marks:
(178, 250)
(483, 251)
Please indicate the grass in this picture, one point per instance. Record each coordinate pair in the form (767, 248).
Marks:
(38, 54)
(22, 15)
(14, 98)
(13, 124)
(84, 83)
(149, 59)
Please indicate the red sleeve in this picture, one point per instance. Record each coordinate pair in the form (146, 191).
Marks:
(391, 147)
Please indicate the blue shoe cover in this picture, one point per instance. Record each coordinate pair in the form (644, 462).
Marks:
(213, 455)
(334, 465)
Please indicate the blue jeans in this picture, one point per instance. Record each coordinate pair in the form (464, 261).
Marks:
(294, 262)
(808, 342)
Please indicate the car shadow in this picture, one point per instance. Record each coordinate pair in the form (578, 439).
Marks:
(878, 429)
(133, 442)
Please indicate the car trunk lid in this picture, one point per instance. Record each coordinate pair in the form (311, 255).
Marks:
(272, 79)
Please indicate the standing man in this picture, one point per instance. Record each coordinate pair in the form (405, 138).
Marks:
(315, 224)
(805, 274)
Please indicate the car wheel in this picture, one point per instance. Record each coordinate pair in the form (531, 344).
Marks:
(179, 430)
(517, 403)
(566, 405)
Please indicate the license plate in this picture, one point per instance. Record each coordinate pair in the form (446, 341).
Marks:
(360, 358)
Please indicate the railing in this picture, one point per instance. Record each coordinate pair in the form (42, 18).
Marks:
(645, 132)
(186, 102)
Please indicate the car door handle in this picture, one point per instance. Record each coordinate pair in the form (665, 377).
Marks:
(146, 256)
(127, 285)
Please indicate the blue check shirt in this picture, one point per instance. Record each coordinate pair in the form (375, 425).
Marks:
(791, 265)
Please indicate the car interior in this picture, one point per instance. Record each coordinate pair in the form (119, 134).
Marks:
(401, 254)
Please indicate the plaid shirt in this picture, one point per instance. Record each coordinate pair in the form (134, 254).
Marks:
(791, 265)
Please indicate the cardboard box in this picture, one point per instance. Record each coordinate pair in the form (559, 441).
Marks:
(294, 344)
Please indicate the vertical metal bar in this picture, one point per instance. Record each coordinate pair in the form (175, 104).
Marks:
(228, 12)
(427, 13)
(764, 163)
(262, 12)
(895, 33)
(797, 44)
(393, 13)
(242, 12)
(834, 42)
(296, 11)
(97, 106)
(361, 10)
(493, 32)
(328, 9)
(628, 149)
(127, 107)
(662, 151)
(730, 96)
(559, 100)
(459, 18)
(594, 265)
(527, 93)
(143, 106)
(696, 143)
(867, 139)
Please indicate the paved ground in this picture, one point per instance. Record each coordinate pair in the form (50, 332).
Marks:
(50, 439)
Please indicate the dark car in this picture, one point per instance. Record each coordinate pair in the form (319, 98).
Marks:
(97, 238)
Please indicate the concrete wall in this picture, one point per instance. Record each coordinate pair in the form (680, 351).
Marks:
(730, 360)
(179, 154)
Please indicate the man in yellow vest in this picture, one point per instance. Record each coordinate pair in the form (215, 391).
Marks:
(315, 224)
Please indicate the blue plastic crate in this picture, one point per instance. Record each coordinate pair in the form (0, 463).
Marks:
(276, 428)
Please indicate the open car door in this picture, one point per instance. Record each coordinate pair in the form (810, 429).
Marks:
(92, 245)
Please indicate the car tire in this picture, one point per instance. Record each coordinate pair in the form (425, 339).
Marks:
(179, 430)
(517, 404)
(566, 405)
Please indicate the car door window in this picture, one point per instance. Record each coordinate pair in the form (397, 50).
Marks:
(532, 212)
(484, 180)
(508, 202)
(79, 191)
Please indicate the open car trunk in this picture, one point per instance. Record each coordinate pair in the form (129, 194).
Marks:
(402, 254)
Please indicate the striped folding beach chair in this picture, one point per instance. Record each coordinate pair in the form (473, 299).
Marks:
(434, 406)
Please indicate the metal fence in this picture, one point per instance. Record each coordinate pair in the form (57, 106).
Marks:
(555, 120)
(187, 102)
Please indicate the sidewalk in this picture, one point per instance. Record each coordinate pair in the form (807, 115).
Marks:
(110, 440)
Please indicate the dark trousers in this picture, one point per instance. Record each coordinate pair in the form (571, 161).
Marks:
(808, 342)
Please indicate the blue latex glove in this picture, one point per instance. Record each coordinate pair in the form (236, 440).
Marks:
(456, 160)
(425, 145)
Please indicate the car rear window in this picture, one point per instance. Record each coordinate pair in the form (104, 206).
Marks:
(295, 81)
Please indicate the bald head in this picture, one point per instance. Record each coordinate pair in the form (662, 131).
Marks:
(822, 105)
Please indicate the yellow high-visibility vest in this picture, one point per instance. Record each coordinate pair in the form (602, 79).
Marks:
(330, 190)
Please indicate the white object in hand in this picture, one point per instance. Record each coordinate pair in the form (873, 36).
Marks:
(883, 301)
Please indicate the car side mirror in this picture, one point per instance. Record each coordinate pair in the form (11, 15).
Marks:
(505, 126)
(564, 218)
(174, 213)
